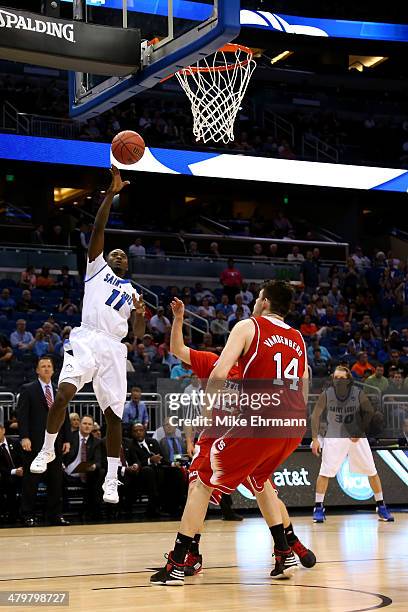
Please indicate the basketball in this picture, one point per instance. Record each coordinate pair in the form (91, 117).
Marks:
(128, 147)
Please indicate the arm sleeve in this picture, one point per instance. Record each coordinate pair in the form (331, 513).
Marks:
(202, 362)
(94, 267)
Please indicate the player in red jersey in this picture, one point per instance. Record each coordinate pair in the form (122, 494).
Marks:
(266, 347)
(202, 363)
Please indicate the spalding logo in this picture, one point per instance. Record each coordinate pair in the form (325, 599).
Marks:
(354, 485)
(49, 28)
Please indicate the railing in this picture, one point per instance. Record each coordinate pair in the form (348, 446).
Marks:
(14, 121)
(318, 150)
(199, 318)
(395, 410)
(281, 127)
(50, 127)
(145, 291)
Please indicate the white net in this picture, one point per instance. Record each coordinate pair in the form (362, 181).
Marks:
(216, 86)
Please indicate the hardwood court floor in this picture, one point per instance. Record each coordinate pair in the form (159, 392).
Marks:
(362, 565)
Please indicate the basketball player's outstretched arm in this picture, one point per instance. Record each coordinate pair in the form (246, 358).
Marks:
(137, 318)
(96, 242)
(177, 346)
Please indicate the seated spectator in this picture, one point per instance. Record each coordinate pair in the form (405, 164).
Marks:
(324, 353)
(140, 356)
(296, 256)
(135, 410)
(56, 236)
(165, 357)
(160, 432)
(7, 303)
(159, 324)
(293, 317)
(137, 249)
(345, 335)
(150, 348)
(370, 344)
(235, 317)
(74, 420)
(181, 372)
(224, 306)
(193, 249)
(207, 343)
(246, 294)
(96, 431)
(6, 352)
(65, 280)
(257, 252)
(273, 251)
(329, 320)
(40, 345)
(200, 293)
(362, 364)
(49, 333)
(206, 310)
(239, 303)
(146, 453)
(378, 379)
(395, 362)
(214, 251)
(28, 278)
(59, 346)
(396, 384)
(320, 366)
(307, 328)
(11, 472)
(361, 261)
(334, 297)
(156, 249)
(26, 303)
(171, 446)
(86, 454)
(21, 338)
(68, 307)
(320, 309)
(44, 280)
(219, 328)
(356, 342)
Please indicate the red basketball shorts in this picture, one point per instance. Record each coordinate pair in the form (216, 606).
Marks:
(232, 461)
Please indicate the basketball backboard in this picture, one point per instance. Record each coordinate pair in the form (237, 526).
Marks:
(182, 30)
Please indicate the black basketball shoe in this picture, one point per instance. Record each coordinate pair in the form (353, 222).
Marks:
(172, 574)
(285, 565)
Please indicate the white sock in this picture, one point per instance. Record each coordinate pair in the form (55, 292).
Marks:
(49, 441)
(113, 464)
(379, 497)
(319, 498)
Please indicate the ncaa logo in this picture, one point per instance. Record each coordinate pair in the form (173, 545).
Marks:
(354, 485)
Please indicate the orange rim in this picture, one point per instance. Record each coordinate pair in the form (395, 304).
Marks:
(229, 48)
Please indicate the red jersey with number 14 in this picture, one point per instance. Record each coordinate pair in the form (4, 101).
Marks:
(277, 351)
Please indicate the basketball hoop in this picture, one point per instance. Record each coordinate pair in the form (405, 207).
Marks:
(216, 86)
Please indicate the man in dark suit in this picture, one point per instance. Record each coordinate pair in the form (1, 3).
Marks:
(11, 472)
(86, 449)
(32, 410)
(163, 482)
